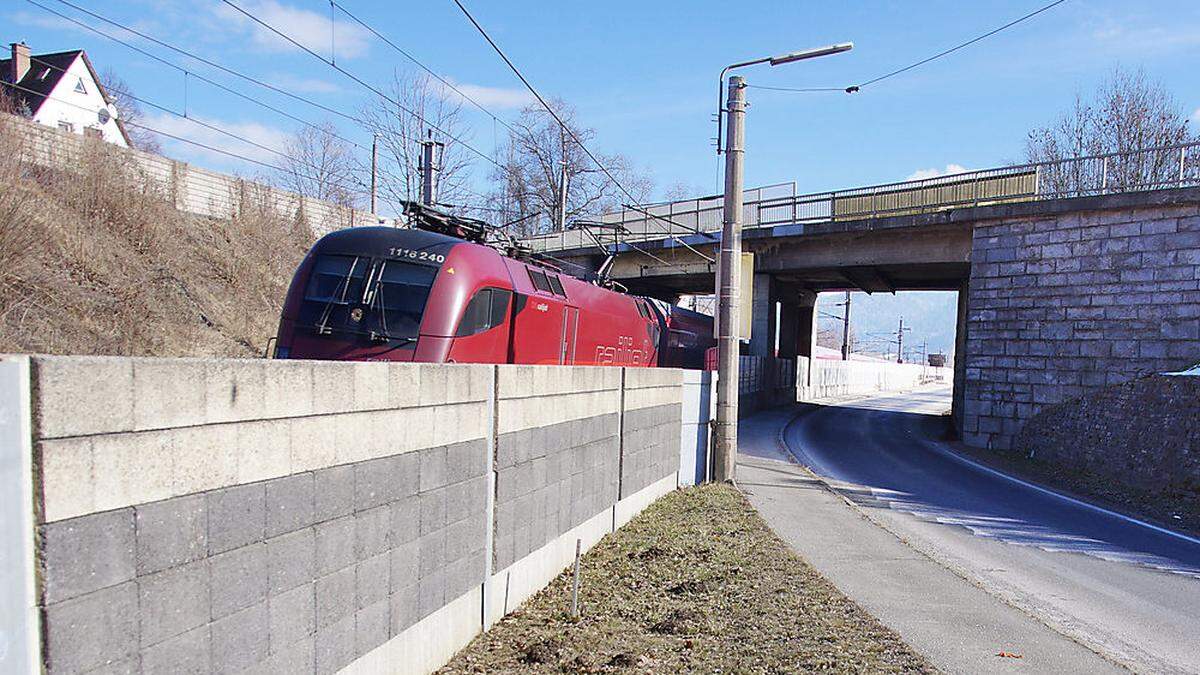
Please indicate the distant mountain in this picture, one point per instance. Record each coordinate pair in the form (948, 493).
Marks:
(875, 318)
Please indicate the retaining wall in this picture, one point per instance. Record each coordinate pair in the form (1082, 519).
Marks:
(191, 188)
(1144, 433)
(293, 516)
(1063, 305)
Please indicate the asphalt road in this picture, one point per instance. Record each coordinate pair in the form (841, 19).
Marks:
(1126, 589)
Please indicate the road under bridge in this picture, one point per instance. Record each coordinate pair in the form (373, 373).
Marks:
(1063, 286)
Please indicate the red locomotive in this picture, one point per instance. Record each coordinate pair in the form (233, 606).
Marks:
(383, 293)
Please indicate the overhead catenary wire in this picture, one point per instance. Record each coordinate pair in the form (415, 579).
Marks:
(945, 52)
(378, 92)
(403, 52)
(190, 55)
(567, 129)
(205, 146)
(420, 117)
(957, 47)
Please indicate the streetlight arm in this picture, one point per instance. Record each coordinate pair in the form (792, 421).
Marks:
(777, 60)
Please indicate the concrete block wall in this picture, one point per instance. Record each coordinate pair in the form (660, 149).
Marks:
(650, 430)
(292, 516)
(558, 453)
(218, 515)
(1063, 305)
(697, 405)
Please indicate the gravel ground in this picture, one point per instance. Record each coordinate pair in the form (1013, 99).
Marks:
(696, 583)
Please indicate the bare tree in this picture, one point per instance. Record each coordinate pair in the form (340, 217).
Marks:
(1129, 117)
(321, 165)
(680, 191)
(129, 112)
(419, 109)
(531, 180)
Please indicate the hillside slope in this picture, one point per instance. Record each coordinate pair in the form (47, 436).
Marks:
(97, 261)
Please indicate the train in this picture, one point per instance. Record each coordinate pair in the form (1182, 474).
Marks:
(441, 293)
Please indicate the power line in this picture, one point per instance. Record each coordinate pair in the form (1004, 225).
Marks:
(361, 82)
(200, 59)
(516, 71)
(181, 139)
(803, 90)
(422, 66)
(541, 100)
(136, 125)
(854, 88)
(968, 43)
(194, 120)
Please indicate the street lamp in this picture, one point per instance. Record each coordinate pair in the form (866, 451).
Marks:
(777, 60)
(725, 431)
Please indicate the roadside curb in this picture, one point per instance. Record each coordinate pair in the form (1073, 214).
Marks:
(1014, 600)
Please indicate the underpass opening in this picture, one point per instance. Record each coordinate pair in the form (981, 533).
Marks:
(868, 343)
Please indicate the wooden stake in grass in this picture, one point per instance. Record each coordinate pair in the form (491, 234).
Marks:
(575, 583)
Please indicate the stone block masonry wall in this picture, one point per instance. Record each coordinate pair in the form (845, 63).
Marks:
(301, 517)
(1061, 306)
(1144, 433)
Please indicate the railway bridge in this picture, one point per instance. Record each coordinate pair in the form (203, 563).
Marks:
(1070, 275)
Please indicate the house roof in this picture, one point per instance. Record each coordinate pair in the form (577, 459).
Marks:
(45, 72)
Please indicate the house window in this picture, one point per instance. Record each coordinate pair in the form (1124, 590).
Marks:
(79, 88)
(67, 127)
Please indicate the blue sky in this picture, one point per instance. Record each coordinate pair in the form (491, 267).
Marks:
(643, 74)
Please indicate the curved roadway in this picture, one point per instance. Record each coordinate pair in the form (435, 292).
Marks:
(1128, 589)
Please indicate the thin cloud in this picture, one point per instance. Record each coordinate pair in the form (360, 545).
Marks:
(263, 135)
(934, 172)
(308, 85)
(310, 29)
(491, 97)
(1196, 116)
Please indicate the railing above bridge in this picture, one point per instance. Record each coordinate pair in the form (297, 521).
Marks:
(1118, 172)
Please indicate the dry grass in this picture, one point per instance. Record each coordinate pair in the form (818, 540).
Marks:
(696, 583)
(96, 260)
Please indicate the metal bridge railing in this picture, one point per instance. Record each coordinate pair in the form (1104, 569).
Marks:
(1117, 172)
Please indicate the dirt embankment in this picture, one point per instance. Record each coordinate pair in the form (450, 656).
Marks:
(696, 583)
(96, 260)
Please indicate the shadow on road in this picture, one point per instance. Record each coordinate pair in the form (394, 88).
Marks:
(890, 453)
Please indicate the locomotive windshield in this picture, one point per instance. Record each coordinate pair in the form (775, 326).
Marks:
(379, 299)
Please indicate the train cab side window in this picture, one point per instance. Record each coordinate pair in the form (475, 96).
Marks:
(556, 285)
(641, 308)
(488, 309)
(539, 280)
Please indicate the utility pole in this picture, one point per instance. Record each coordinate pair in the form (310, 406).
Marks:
(374, 169)
(900, 341)
(725, 455)
(431, 158)
(846, 328)
(562, 183)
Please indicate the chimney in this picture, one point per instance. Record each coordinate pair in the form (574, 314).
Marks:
(20, 61)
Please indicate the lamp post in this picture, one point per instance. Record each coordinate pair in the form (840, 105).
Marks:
(729, 270)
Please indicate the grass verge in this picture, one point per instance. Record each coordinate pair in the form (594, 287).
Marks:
(697, 582)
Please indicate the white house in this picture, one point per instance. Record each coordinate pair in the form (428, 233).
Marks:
(62, 90)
